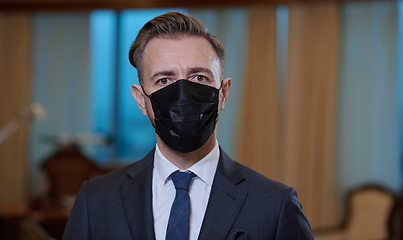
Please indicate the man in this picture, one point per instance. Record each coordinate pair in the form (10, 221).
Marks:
(182, 90)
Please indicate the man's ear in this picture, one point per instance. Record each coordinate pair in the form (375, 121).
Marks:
(225, 88)
(138, 94)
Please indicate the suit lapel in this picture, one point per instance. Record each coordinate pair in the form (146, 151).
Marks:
(225, 201)
(137, 199)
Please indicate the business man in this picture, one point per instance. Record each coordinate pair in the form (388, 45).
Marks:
(187, 187)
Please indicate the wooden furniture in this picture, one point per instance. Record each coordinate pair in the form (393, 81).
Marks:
(369, 216)
(66, 169)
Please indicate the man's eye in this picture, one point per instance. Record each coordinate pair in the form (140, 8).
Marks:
(200, 78)
(163, 81)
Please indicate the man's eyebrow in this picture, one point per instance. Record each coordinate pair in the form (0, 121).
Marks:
(163, 73)
(200, 70)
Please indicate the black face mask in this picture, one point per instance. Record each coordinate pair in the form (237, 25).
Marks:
(185, 114)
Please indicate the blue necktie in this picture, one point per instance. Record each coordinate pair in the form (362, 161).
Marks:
(178, 223)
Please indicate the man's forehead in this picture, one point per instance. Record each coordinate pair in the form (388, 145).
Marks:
(187, 53)
(165, 39)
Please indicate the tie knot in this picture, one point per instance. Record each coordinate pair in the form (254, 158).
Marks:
(182, 179)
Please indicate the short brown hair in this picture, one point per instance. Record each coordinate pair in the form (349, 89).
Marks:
(172, 24)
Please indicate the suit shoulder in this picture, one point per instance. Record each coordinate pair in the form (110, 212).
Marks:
(119, 175)
(246, 177)
(255, 178)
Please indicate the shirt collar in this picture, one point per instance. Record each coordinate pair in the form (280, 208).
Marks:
(204, 169)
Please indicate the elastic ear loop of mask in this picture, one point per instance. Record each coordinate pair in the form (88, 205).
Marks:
(178, 80)
(144, 91)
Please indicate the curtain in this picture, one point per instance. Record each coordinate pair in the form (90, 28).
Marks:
(257, 145)
(15, 85)
(368, 112)
(61, 83)
(308, 145)
(292, 139)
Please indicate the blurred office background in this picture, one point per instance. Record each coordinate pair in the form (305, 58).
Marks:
(316, 100)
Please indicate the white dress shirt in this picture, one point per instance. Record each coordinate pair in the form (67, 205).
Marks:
(164, 191)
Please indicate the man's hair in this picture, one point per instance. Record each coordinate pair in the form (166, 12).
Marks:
(171, 25)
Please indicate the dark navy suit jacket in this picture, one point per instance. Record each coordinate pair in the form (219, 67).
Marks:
(118, 205)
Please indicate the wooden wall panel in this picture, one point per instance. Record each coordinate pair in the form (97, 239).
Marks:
(15, 86)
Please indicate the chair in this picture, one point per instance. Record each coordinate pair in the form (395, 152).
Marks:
(67, 169)
(369, 213)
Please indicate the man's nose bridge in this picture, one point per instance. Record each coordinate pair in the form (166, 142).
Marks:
(182, 89)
